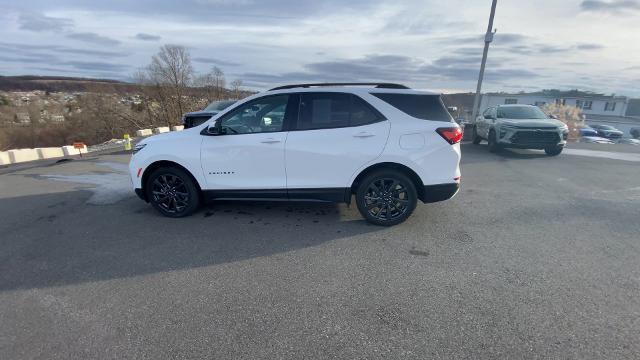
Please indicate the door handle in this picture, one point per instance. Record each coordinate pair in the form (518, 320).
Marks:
(363, 134)
(270, 141)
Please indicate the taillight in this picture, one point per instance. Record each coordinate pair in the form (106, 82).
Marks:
(453, 135)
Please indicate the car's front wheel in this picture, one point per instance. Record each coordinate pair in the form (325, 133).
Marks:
(554, 151)
(386, 198)
(476, 138)
(494, 147)
(172, 192)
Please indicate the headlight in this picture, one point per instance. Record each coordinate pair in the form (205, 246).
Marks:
(138, 147)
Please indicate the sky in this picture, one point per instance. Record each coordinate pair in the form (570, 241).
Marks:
(590, 45)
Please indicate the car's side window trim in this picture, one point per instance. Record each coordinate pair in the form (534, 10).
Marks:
(296, 117)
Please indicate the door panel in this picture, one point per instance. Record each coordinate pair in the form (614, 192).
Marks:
(327, 158)
(247, 161)
(335, 135)
(249, 152)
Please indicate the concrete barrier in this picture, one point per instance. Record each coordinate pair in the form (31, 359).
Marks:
(161, 130)
(144, 132)
(69, 150)
(4, 158)
(22, 155)
(50, 152)
(177, 128)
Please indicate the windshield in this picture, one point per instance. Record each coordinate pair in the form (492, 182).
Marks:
(219, 105)
(605, 127)
(521, 112)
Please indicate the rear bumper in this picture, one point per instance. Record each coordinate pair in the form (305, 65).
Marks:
(440, 192)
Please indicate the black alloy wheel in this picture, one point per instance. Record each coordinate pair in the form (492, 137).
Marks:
(554, 150)
(172, 192)
(386, 198)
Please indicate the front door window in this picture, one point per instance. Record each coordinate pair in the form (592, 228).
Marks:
(258, 116)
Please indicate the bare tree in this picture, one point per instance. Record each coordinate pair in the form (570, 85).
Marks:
(219, 81)
(212, 83)
(171, 73)
(235, 88)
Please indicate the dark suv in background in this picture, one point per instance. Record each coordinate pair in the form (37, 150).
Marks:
(607, 131)
(196, 118)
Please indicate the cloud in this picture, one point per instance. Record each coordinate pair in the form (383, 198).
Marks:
(509, 38)
(39, 22)
(214, 61)
(394, 68)
(552, 49)
(98, 66)
(613, 6)
(93, 38)
(44, 51)
(14, 59)
(590, 47)
(147, 37)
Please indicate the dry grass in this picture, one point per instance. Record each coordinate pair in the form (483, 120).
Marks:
(570, 115)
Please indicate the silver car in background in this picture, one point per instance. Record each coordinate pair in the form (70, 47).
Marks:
(521, 127)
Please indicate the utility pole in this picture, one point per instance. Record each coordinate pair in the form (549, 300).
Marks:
(488, 38)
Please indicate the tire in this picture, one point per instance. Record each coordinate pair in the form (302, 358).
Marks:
(494, 147)
(554, 151)
(172, 192)
(386, 197)
(476, 138)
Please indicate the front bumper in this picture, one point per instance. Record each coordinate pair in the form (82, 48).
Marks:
(440, 192)
(141, 194)
(531, 138)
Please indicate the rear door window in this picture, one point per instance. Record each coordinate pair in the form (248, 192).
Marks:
(334, 110)
(425, 107)
(362, 113)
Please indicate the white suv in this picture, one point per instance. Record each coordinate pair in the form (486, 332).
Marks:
(384, 143)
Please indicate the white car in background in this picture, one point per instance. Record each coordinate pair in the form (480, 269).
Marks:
(388, 145)
(520, 127)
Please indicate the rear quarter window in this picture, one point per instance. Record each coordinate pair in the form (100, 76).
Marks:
(425, 107)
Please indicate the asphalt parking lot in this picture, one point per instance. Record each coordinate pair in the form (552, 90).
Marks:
(536, 257)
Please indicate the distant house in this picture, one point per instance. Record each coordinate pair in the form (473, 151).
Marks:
(633, 109)
(23, 118)
(592, 105)
(56, 118)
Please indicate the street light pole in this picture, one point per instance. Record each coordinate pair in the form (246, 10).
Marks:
(488, 38)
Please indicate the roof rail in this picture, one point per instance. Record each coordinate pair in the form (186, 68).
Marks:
(377, 85)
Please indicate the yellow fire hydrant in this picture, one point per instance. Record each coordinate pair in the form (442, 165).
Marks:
(127, 142)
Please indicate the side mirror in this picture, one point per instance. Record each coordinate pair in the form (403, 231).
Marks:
(213, 129)
(553, 116)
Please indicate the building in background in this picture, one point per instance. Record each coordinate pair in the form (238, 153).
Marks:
(633, 109)
(592, 105)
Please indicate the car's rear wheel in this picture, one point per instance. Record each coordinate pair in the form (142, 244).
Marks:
(476, 138)
(554, 150)
(494, 147)
(386, 198)
(172, 192)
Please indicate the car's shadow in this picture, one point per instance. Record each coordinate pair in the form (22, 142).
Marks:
(57, 239)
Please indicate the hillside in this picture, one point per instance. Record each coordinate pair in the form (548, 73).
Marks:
(61, 84)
